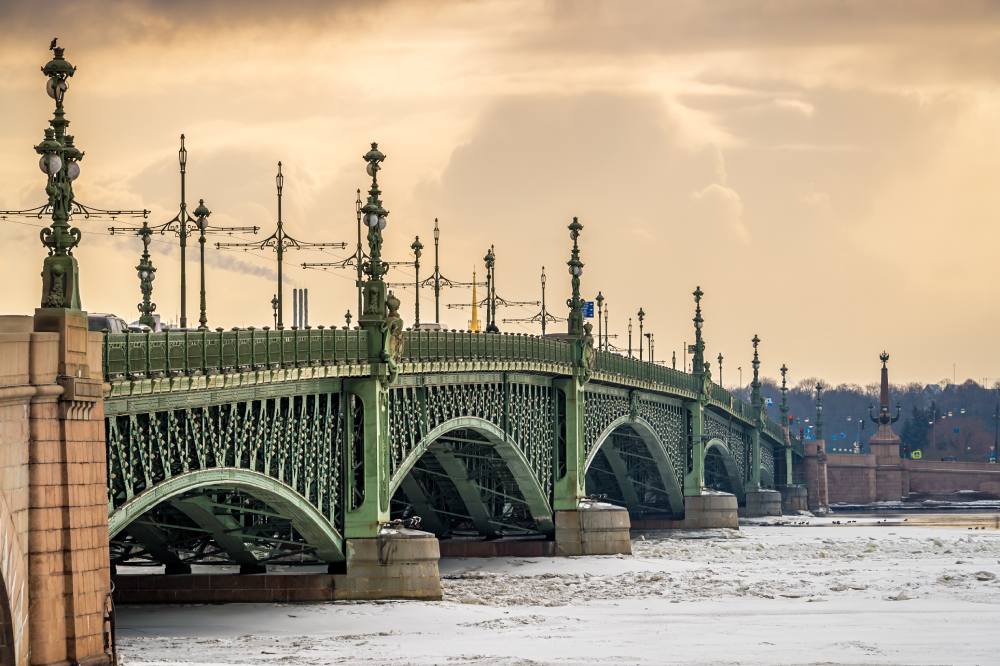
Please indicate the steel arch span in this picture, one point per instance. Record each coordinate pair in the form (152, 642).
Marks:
(475, 462)
(315, 528)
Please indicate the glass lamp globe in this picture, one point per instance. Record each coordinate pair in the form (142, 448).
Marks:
(371, 219)
(73, 170)
(143, 274)
(50, 164)
(381, 222)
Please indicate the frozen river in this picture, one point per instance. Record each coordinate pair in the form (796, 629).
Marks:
(820, 593)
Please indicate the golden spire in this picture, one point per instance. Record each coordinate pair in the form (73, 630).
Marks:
(474, 322)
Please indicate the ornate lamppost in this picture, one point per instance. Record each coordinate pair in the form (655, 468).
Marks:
(147, 273)
(630, 337)
(755, 397)
(491, 291)
(606, 345)
(698, 360)
(437, 275)
(347, 318)
(818, 428)
(274, 309)
(59, 160)
(720, 370)
(544, 313)
(417, 247)
(642, 317)
(783, 408)
(374, 216)
(600, 315)
(575, 302)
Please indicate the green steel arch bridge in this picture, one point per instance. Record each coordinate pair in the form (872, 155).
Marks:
(258, 446)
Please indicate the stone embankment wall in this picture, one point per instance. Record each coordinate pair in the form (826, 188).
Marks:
(862, 479)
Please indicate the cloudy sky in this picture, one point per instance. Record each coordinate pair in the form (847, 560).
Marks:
(826, 171)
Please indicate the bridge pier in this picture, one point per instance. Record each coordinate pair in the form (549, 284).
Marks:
(761, 502)
(397, 564)
(595, 528)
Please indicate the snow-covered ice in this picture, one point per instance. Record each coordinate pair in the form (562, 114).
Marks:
(819, 593)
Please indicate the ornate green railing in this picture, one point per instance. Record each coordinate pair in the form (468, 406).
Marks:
(430, 346)
(633, 368)
(177, 353)
(170, 353)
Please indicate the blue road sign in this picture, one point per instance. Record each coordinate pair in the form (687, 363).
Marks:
(588, 309)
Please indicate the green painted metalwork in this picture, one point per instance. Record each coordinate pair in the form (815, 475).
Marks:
(316, 528)
(296, 441)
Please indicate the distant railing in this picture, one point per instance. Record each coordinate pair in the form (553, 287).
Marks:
(429, 346)
(172, 353)
(633, 368)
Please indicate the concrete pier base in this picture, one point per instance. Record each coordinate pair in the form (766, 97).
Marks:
(794, 499)
(710, 510)
(595, 528)
(398, 564)
(761, 502)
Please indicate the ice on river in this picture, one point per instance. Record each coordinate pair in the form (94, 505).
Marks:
(768, 594)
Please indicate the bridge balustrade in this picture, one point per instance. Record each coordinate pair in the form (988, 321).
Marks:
(169, 353)
(633, 368)
(429, 346)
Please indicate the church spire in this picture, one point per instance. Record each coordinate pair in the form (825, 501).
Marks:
(474, 325)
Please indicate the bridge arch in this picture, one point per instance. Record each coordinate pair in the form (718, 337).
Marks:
(13, 589)
(534, 496)
(657, 452)
(721, 471)
(315, 528)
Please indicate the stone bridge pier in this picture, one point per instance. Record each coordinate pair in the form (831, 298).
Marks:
(55, 592)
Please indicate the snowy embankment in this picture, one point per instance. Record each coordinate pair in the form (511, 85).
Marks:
(855, 594)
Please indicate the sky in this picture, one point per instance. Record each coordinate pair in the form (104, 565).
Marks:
(825, 171)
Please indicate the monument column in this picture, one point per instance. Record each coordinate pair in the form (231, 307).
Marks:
(885, 444)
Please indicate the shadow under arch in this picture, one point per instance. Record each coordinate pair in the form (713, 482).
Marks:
(657, 452)
(534, 496)
(766, 478)
(721, 472)
(7, 648)
(315, 528)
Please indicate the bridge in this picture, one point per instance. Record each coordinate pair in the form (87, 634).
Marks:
(356, 449)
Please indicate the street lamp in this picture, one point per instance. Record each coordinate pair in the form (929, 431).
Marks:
(720, 370)
(147, 273)
(544, 313)
(642, 316)
(417, 247)
(274, 309)
(600, 316)
(374, 217)
(347, 318)
(818, 428)
(201, 214)
(630, 337)
(575, 303)
(59, 161)
(490, 259)
(607, 346)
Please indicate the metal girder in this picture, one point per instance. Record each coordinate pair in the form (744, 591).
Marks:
(157, 545)
(620, 470)
(467, 489)
(226, 531)
(429, 518)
